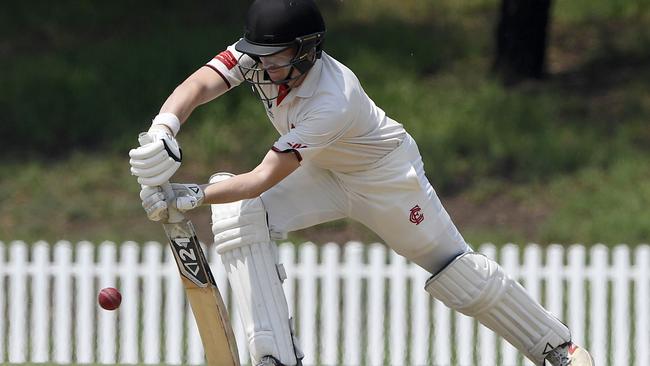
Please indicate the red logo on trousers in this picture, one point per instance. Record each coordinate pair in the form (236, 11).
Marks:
(416, 215)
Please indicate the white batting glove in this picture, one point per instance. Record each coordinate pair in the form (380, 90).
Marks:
(159, 155)
(156, 204)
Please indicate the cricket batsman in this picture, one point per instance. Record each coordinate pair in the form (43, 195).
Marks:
(338, 155)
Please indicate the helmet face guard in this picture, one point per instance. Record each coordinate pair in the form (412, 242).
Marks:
(308, 50)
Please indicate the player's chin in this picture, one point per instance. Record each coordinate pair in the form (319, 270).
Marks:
(277, 76)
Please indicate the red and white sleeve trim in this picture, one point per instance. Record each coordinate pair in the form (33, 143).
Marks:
(288, 150)
(220, 74)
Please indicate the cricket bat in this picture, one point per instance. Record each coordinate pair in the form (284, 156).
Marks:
(201, 289)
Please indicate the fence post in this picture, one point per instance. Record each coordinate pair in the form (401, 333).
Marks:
(376, 303)
(40, 312)
(129, 319)
(106, 319)
(3, 266)
(554, 274)
(576, 275)
(62, 303)
(85, 291)
(398, 317)
(17, 301)
(151, 304)
(531, 268)
(307, 301)
(330, 320)
(599, 283)
(642, 305)
(420, 321)
(441, 333)
(621, 316)
(352, 303)
(464, 339)
(174, 311)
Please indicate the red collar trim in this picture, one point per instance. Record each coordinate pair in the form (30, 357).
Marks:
(283, 91)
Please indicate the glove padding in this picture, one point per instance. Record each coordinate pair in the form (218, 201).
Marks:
(157, 159)
(156, 204)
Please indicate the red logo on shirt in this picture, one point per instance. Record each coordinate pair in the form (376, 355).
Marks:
(416, 216)
(227, 58)
(296, 146)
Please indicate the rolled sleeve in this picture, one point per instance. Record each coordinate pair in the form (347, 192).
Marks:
(225, 64)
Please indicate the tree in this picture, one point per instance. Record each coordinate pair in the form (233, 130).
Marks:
(521, 36)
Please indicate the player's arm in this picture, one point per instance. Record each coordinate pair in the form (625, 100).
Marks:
(274, 167)
(156, 162)
(201, 87)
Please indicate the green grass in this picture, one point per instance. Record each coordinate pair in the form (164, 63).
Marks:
(80, 82)
(608, 206)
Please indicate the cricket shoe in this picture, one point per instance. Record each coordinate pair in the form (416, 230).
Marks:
(569, 354)
(272, 361)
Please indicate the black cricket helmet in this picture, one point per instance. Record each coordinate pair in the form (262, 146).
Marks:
(273, 26)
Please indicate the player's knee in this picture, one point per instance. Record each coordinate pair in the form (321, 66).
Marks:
(240, 223)
(471, 284)
(437, 259)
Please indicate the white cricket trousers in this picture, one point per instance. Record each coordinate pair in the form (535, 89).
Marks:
(392, 197)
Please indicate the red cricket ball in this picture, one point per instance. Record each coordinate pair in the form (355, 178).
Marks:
(109, 298)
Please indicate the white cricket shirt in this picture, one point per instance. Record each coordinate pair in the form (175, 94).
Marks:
(328, 120)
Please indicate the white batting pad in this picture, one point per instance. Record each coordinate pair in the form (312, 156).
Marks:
(478, 287)
(241, 236)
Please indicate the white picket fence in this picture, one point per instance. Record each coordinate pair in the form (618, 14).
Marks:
(354, 305)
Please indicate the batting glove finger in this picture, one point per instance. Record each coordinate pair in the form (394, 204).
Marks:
(157, 211)
(153, 200)
(147, 151)
(186, 203)
(188, 196)
(159, 179)
(149, 162)
(151, 171)
(148, 191)
(154, 203)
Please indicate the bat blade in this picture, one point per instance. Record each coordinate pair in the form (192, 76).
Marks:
(203, 295)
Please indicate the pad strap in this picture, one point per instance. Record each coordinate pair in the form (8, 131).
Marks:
(478, 287)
